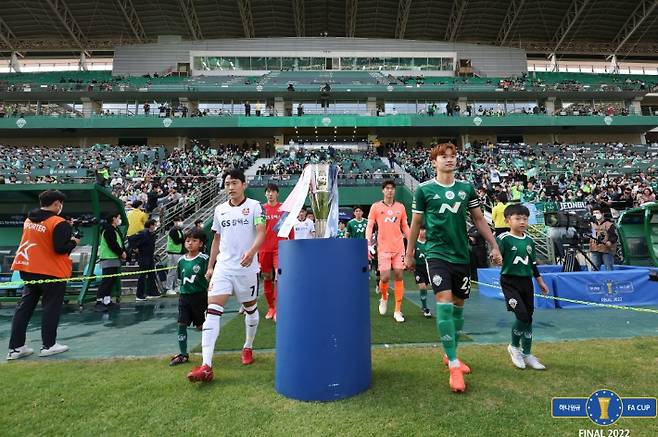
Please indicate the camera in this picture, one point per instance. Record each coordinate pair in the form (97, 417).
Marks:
(599, 238)
(567, 219)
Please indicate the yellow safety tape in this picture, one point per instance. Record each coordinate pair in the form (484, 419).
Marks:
(583, 302)
(82, 278)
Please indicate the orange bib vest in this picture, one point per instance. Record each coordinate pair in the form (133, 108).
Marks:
(36, 253)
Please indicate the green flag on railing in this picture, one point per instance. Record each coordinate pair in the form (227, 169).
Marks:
(532, 173)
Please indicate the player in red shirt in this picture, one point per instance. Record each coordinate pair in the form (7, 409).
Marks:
(268, 256)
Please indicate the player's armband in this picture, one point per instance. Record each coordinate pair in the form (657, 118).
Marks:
(260, 220)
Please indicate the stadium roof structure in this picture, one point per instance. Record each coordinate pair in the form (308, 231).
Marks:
(627, 28)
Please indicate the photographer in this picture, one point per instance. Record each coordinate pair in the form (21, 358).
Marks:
(603, 245)
(43, 253)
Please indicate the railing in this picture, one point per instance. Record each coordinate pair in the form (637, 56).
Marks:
(201, 196)
(206, 211)
(447, 86)
(68, 112)
(543, 244)
(409, 181)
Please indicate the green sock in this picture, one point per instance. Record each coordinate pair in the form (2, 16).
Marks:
(458, 317)
(182, 339)
(517, 331)
(446, 327)
(423, 298)
(526, 339)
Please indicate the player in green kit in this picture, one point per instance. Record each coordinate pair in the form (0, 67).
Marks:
(422, 278)
(443, 204)
(519, 266)
(193, 299)
(356, 228)
(342, 232)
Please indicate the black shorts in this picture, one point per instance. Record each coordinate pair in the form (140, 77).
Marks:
(192, 309)
(446, 276)
(421, 274)
(519, 296)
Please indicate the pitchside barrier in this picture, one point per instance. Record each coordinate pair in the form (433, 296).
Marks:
(625, 286)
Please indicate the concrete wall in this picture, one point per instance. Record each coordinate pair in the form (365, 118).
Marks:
(171, 142)
(482, 138)
(77, 141)
(410, 140)
(600, 138)
(538, 138)
(546, 138)
(73, 141)
(239, 141)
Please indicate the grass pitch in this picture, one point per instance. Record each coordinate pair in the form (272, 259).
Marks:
(383, 330)
(409, 395)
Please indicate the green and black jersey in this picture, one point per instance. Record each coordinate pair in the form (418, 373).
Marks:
(519, 258)
(356, 228)
(445, 209)
(192, 274)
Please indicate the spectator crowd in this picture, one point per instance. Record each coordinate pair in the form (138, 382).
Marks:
(591, 173)
(133, 173)
(611, 172)
(363, 165)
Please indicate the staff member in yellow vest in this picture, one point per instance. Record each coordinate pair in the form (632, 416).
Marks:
(43, 253)
(498, 213)
(604, 244)
(175, 249)
(111, 251)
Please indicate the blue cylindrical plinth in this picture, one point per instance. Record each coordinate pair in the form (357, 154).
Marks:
(323, 319)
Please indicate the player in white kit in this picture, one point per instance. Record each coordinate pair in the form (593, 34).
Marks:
(304, 228)
(239, 227)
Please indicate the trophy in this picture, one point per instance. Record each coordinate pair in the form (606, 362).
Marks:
(320, 182)
(310, 362)
(323, 180)
(604, 405)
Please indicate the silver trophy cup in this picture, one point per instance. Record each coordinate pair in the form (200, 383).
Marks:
(320, 194)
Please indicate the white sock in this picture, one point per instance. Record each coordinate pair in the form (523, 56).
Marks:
(453, 363)
(107, 300)
(210, 332)
(251, 325)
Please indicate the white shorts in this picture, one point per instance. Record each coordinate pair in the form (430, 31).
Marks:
(244, 287)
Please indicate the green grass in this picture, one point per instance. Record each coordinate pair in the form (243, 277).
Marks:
(383, 330)
(408, 397)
